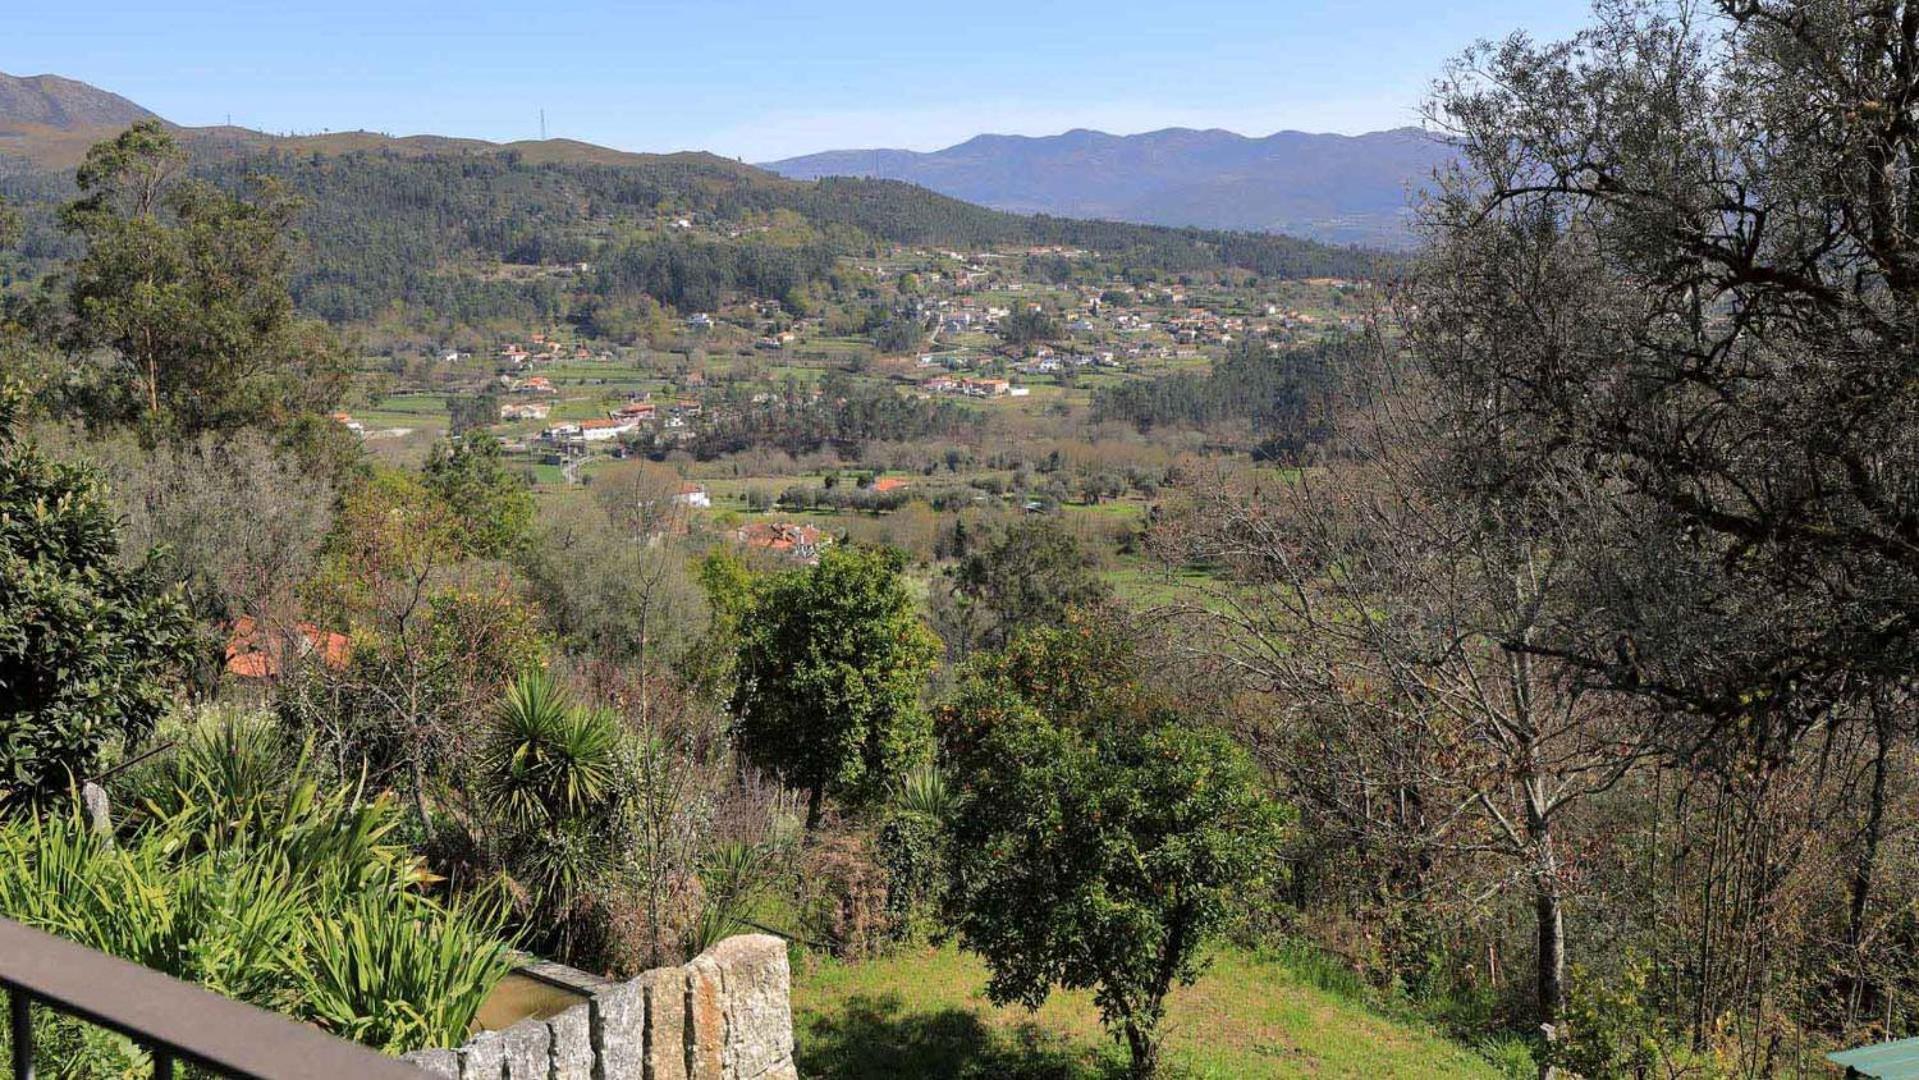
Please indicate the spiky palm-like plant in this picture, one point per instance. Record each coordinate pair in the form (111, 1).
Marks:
(545, 759)
(923, 790)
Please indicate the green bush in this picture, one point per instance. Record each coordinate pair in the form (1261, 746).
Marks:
(88, 646)
(1619, 1027)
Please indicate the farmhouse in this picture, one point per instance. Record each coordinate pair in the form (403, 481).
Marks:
(525, 410)
(257, 652)
(802, 542)
(601, 430)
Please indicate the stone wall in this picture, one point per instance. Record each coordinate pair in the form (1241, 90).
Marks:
(724, 1016)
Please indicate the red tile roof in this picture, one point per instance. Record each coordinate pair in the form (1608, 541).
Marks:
(256, 653)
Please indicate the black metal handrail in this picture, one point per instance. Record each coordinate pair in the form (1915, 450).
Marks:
(176, 1021)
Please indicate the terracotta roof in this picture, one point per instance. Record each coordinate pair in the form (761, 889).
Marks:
(255, 653)
(780, 536)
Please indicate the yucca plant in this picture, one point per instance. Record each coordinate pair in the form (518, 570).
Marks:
(732, 875)
(546, 759)
(923, 790)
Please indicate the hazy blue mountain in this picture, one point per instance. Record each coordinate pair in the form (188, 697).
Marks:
(1347, 188)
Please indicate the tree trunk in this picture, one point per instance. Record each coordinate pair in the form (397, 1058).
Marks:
(1867, 865)
(1144, 1046)
(1551, 990)
(1549, 918)
(815, 804)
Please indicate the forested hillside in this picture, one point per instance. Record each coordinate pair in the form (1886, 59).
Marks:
(425, 229)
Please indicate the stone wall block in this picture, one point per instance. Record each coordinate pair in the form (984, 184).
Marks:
(758, 1005)
(571, 1038)
(665, 1023)
(483, 1057)
(706, 1019)
(527, 1050)
(726, 1015)
(438, 1062)
(619, 1033)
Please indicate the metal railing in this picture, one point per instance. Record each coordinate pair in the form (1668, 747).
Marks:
(175, 1021)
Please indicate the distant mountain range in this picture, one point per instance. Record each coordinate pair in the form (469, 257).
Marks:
(1340, 188)
(1349, 189)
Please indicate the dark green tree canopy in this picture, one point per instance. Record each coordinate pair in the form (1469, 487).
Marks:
(183, 294)
(1030, 575)
(1028, 326)
(88, 646)
(491, 506)
(832, 661)
(1099, 837)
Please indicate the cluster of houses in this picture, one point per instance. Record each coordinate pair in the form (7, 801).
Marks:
(962, 316)
(532, 384)
(638, 412)
(540, 350)
(525, 410)
(1045, 361)
(982, 388)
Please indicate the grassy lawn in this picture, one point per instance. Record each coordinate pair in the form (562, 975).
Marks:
(1145, 584)
(925, 1013)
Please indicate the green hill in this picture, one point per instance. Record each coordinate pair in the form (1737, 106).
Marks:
(427, 222)
(925, 1013)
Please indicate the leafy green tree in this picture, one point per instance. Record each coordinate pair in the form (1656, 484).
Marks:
(1031, 575)
(471, 411)
(490, 504)
(9, 226)
(88, 647)
(433, 635)
(1028, 326)
(899, 334)
(832, 661)
(183, 289)
(1099, 837)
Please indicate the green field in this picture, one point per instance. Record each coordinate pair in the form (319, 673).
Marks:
(924, 1013)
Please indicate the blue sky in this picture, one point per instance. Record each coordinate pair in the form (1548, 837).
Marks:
(761, 80)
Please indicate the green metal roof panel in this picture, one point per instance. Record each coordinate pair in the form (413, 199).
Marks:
(1881, 1061)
